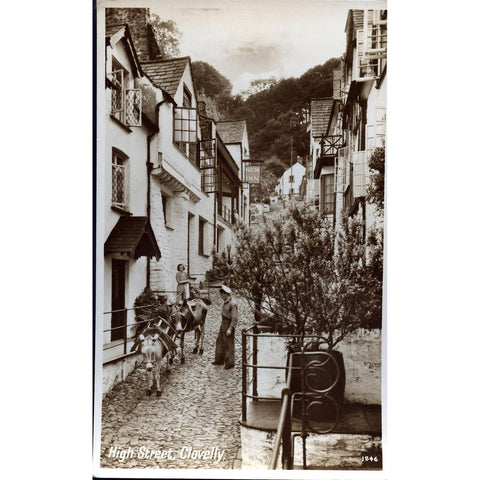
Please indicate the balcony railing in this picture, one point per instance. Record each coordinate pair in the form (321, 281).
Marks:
(330, 145)
(226, 213)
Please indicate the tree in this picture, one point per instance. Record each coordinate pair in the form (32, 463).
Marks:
(258, 85)
(167, 36)
(209, 80)
(376, 188)
(302, 271)
(266, 186)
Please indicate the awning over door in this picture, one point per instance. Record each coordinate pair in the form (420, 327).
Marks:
(133, 236)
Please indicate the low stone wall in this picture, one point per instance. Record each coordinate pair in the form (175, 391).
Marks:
(324, 451)
(362, 354)
(116, 371)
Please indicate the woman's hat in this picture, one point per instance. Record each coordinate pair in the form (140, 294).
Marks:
(225, 289)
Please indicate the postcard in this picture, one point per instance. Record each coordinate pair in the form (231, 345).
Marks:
(240, 165)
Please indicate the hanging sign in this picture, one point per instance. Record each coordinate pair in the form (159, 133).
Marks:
(252, 173)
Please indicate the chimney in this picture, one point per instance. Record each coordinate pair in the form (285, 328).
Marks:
(140, 28)
(337, 74)
(202, 108)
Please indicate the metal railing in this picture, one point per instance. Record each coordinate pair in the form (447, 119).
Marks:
(301, 399)
(284, 429)
(226, 213)
(125, 340)
(122, 343)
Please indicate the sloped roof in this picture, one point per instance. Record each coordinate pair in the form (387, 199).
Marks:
(133, 236)
(354, 20)
(320, 111)
(166, 74)
(111, 30)
(232, 132)
(123, 32)
(357, 18)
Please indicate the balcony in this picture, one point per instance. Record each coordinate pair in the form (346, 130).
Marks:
(329, 146)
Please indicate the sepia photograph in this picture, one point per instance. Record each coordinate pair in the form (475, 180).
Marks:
(240, 160)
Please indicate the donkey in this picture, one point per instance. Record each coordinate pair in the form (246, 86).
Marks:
(191, 317)
(155, 344)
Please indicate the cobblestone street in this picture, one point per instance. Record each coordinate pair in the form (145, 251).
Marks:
(199, 408)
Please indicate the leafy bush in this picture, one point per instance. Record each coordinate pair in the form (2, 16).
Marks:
(311, 277)
(376, 188)
(221, 269)
(149, 307)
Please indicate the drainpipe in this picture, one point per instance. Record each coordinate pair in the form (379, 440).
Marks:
(149, 180)
(215, 199)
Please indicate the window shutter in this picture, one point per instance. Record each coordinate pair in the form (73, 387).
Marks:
(380, 121)
(359, 180)
(341, 169)
(371, 140)
(367, 66)
(133, 107)
(117, 91)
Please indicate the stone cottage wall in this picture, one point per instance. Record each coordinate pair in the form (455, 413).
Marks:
(362, 354)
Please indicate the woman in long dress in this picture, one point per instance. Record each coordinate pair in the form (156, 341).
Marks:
(183, 286)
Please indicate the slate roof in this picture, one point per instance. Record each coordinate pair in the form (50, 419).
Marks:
(133, 236)
(231, 132)
(357, 19)
(111, 30)
(166, 74)
(354, 20)
(320, 111)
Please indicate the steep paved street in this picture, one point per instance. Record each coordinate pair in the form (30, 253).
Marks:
(199, 410)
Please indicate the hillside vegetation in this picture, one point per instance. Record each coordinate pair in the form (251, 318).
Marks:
(276, 112)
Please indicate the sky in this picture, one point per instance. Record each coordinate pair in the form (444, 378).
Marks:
(249, 39)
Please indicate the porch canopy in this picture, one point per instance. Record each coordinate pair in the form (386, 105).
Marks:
(133, 236)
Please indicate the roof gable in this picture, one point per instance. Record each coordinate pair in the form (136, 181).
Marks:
(232, 132)
(320, 111)
(115, 33)
(166, 74)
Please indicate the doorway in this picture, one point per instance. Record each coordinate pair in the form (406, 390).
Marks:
(119, 318)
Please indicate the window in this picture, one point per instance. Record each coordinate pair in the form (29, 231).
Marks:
(291, 179)
(328, 195)
(185, 132)
(187, 97)
(208, 166)
(126, 105)
(201, 236)
(166, 210)
(220, 240)
(119, 180)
